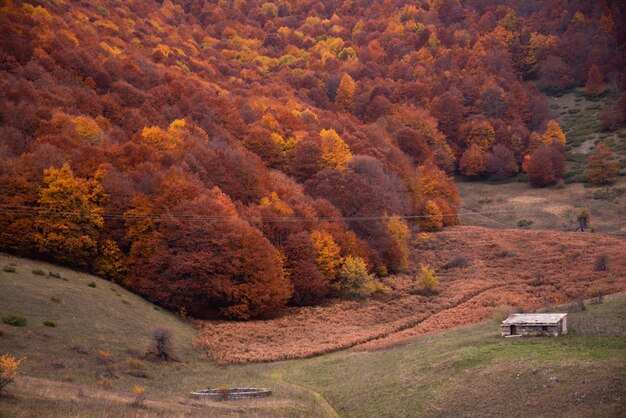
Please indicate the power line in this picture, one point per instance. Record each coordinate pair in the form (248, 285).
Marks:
(31, 211)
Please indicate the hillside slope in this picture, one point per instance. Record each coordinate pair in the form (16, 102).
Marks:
(86, 364)
(463, 372)
(527, 269)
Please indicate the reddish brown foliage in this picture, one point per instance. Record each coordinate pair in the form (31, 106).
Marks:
(501, 162)
(215, 264)
(602, 167)
(595, 82)
(547, 165)
(472, 163)
(172, 99)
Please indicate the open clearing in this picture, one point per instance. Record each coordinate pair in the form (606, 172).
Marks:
(468, 371)
(504, 205)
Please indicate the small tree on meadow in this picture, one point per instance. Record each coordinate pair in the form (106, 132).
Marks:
(428, 278)
(553, 133)
(583, 220)
(8, 369)
(161, 344)
(354, 279)
(602, 168)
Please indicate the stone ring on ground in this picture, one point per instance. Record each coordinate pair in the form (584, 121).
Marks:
(231, 393)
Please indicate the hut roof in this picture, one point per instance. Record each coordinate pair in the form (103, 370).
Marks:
(534, 319)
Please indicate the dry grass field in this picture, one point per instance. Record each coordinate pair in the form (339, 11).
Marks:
(525, 269)
(505, 205)
(462, 372)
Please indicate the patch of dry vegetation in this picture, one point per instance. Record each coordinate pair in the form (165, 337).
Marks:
(523, 269)
(515, 204)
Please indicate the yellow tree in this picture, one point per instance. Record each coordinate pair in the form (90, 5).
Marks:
(399, 231)
(170, 139)
(111, 261)
(432, 217)
(428, 278)
(479, 132)
(553, 133)
(328, 257)
(8, 369)
(345, 93)
(142, 233)
(335, 152)
(69, 216)
(353, 279)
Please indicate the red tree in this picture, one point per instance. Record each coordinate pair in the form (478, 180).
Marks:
(595, 82)
(216, 263)
(547, 165)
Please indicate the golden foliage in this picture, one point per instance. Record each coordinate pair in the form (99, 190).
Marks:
(274, 202)
(335, 152)
(400, 233)
(427, 277)
(87, 129)
(111, 262)
(69, 216)
(433, 218)
(553, 133)
(479, 132)
(353, 279)
(8, 369)
(329, 257)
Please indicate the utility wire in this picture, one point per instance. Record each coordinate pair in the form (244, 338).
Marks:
(31, 211)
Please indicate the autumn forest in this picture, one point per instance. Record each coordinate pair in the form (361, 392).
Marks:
(231, 158)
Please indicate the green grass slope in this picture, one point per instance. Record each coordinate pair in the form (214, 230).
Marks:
(468, 371)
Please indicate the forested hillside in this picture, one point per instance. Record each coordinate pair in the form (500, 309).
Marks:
(230, 158)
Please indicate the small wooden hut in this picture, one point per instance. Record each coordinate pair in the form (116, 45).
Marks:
(535, 324)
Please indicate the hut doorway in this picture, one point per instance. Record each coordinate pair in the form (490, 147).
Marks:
(513, 330)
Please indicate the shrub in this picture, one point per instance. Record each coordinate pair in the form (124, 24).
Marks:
(54, 275)
(161, 348)
(8, 269)
(353, 279)
(427, 278)
(56, 299)
(136, 364)
(602, 262)
(91, 284)
(522, 223)
(39, 272)
(8, 369)
(457, 262)
(140, 396)
(48, 323)
(14, 320)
